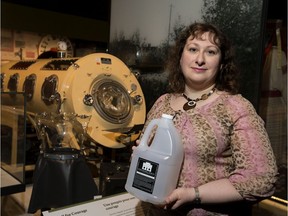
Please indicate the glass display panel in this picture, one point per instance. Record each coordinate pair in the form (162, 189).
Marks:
(13, 142)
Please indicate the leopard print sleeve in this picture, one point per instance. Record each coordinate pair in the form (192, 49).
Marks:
(255, 171)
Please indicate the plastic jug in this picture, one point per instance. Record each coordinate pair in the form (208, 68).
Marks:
(154, 170)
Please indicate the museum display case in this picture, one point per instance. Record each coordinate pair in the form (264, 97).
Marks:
(13, 141)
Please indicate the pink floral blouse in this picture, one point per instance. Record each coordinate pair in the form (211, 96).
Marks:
(223, 139)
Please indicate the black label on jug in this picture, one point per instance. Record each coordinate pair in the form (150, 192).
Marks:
(145, 175)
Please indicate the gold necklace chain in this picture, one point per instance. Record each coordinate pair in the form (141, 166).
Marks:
(191, 103)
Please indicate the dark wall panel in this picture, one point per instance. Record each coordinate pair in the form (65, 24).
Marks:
(15, 16)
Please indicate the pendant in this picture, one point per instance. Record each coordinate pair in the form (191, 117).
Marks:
(189, 105)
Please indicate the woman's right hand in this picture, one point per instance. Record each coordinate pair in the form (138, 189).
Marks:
(178, 197)
(137, 143)
(134, 147)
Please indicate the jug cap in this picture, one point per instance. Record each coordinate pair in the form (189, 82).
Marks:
(167, 116)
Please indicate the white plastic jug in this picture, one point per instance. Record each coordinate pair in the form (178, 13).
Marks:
(154, 170)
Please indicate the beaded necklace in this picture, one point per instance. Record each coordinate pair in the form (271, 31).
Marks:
(191, 103)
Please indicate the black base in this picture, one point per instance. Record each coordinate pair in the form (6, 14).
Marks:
(113, 178)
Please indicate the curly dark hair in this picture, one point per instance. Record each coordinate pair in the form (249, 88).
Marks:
(227, 77)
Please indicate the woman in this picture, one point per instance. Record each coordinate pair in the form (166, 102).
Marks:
(228, 163)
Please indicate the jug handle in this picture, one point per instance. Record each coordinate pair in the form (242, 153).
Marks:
(144, 141)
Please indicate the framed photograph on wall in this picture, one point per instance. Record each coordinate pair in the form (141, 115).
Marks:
(7, 40)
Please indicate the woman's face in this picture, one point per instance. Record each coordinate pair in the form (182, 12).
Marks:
(200, 62)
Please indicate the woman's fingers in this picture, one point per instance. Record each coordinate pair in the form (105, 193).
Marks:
(178, 197)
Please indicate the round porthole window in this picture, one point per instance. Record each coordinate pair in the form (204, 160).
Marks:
(49, 89)
(112, 101)
(29, 85)
(13, 82)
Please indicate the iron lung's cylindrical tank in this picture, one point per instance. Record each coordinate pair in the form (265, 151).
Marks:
(98, 85)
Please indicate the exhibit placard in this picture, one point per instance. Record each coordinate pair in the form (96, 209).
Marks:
(119, 205)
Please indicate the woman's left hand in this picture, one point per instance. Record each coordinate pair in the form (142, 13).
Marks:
(178, 197)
